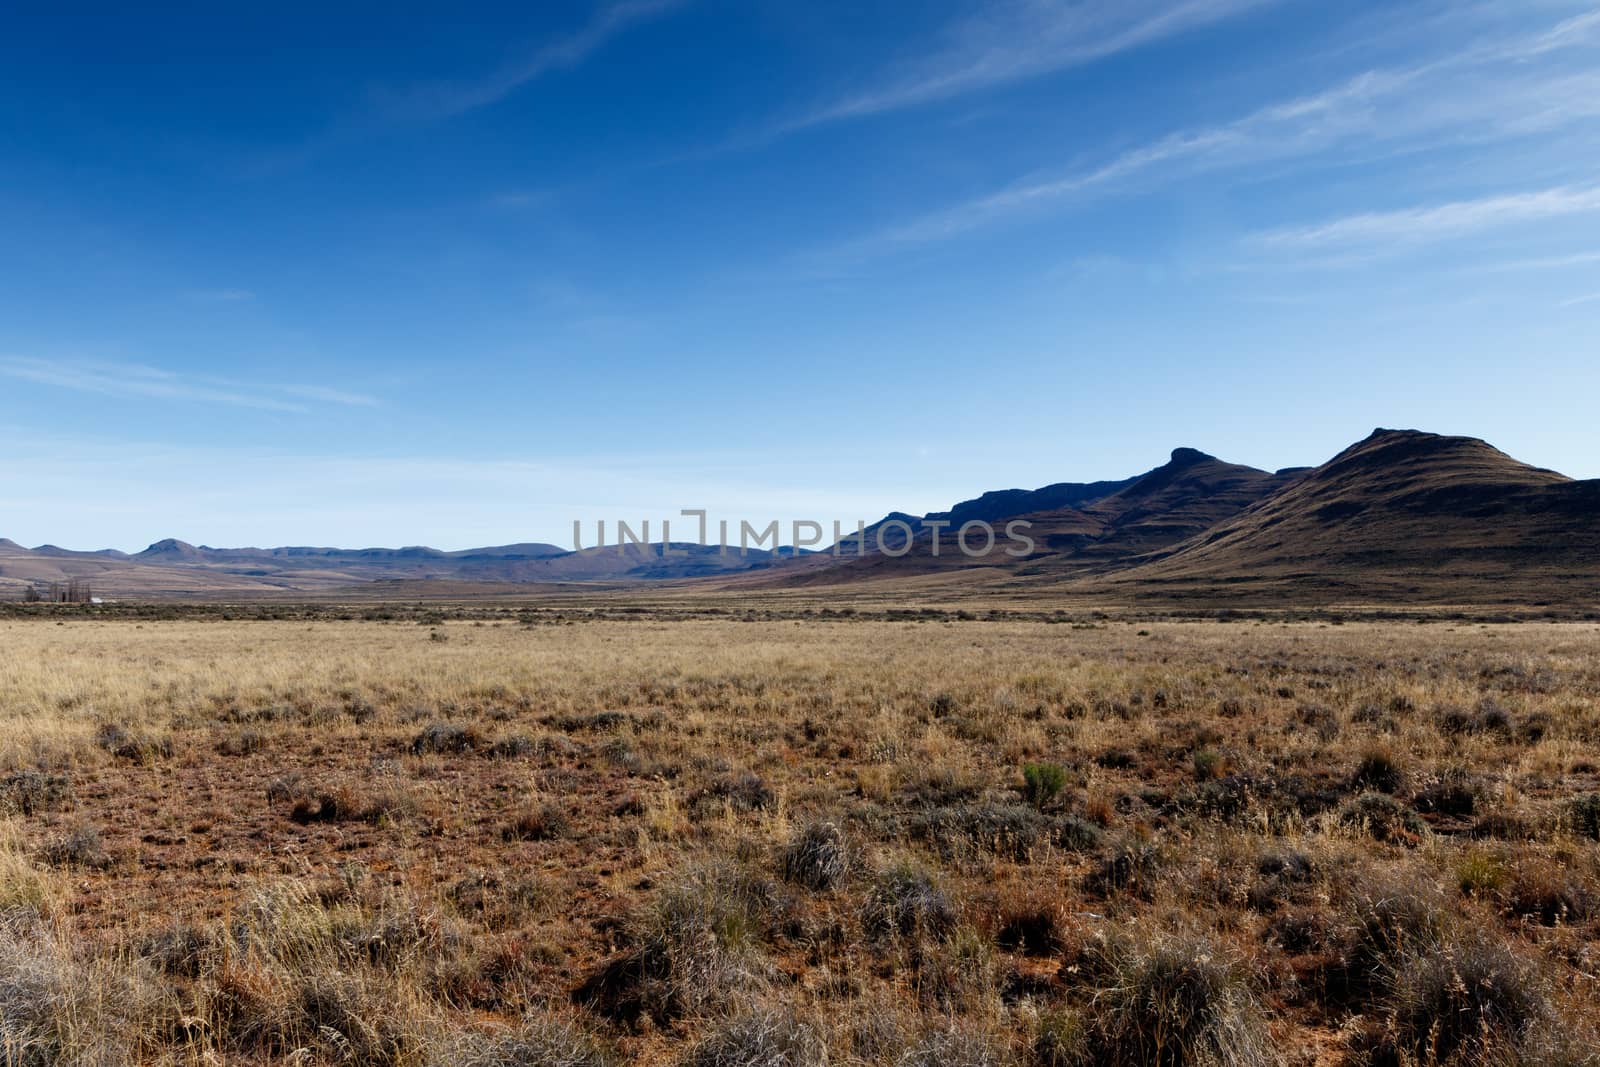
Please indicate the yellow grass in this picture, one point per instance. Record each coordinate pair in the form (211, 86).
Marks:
(512, 809)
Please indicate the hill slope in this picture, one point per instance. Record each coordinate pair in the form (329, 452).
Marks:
(1402, 511)
(1107, 523)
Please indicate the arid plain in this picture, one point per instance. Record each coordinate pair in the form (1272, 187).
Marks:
(548, 836)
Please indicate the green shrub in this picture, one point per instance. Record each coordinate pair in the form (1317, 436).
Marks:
(1043, 782)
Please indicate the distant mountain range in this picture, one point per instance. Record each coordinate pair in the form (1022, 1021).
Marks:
(174, 568)
(1402, 514)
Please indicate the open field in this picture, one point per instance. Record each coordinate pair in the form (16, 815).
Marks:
(563, 839)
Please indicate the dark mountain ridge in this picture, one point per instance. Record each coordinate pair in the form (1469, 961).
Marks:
(1400, 514)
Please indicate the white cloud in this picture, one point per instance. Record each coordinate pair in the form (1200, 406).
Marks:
(1024, 39)
(137, 380)
(439, 100)
(1437, 222)
(1579, 259)
(1479, 94)
(1575, 30)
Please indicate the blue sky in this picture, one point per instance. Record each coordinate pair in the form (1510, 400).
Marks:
(371, 274)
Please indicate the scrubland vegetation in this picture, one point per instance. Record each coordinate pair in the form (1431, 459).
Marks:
(717, 843)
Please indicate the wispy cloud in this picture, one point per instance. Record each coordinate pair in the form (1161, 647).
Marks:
(1439, 222)
(1592, 298)
(137, 380)
(431, 101)
(1479, 94)
(1573, 31)
(1288, 128)
(1579, 259)
(1024, 39)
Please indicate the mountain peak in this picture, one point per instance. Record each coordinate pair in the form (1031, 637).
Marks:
(1184, 457)
(170, 546)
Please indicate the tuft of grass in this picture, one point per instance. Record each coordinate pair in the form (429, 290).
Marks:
(82, 846)
(33, 792)
(695, 950)
(764, 1037)
(1209, 765)
(1170, 1000)
(819, 857)
(539, 1040)
(1379, 770)
(1469, 1001)
(906, 902)
(1583, 816)
(1480, 873)
(1383, 818)
(957, 1046)
(445, 738)
(133, 745)
(537, 822)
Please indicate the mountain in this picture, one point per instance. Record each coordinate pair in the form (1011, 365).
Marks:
(1400, 517)
(170, 551)
(171, 567)
(1076, 527)
(66, 553)
(1401, 512)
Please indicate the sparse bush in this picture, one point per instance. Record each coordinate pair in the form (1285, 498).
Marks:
(1583, 816)
(907, 902)
(242, 743)
(538, 1041)
(536, 822)
(696, 948)
(1171, 1000)
(818, 858)
(1383, 818)
(33, 792)
(761, 1038)
(1379, 770)
(1130, 867)
(1468, 1002)
(133, 745)
(1455, 793)
(445, 737)
(957, 1047)
(80, 847)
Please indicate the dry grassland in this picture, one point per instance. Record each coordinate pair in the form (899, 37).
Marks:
(798, 842)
